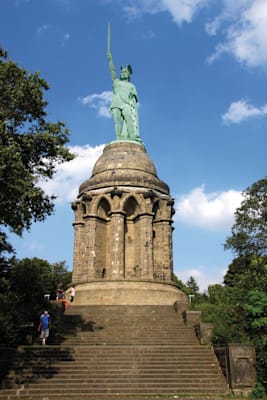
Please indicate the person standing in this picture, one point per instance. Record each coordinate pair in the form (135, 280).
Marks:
(72, 293)
(44, 325)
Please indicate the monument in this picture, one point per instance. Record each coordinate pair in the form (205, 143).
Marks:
(123, 217)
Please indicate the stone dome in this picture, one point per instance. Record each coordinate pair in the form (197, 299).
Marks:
(124, 164)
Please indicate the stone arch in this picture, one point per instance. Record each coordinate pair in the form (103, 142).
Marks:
(131, 206)
(103, 208)
(155, 209)
(102, 238)
(83, 207)
(131, 209)
(162, 240)
(156, 240)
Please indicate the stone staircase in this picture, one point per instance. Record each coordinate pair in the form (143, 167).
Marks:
(122, 352)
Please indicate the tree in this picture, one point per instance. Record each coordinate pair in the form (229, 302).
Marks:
(23, 284)
(220, 306)
(239, 316)
(9, 325)
(255, 315)
(249, 232)
(180, 283)
(247, 277)
(247, 274)
(192, 285)
(30, 148)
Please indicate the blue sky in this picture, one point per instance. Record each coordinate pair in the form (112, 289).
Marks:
(200, 69)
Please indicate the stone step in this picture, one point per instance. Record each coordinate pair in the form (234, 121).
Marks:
(124, 387)
(106, 361)
(111, 367)
(117, 397)
(122, 314)
(44, 351)
(105, 341)
(109, 351)
(111, 348)
(67, 349)
(132, 337)
(194, 361)
(65, 374)
(122, 391)
(125, 380)
(171, 327)
(133, 331)
(112, 370)
(129, 379)
(115, 309)
(103, 359)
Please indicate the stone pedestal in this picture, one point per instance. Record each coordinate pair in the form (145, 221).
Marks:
(123, 232)
(242, 361)
(129, 293)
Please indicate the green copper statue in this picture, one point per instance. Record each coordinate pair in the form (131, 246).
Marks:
(124, 102)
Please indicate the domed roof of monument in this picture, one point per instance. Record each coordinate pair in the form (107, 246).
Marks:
(124, 164)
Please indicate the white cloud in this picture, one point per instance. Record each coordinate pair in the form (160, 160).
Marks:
(203, 276)
(244, 25)
(240, 110)
(71, 174)
(66, 38)
(98, 101)
(42, 29)
(180, 11)
(184, 10)
(212, 211)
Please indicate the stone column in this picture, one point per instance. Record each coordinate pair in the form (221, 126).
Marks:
(163, 250)
(167, 260)
(117, 250)
(146, 245)
(90, 247)
(78, 251)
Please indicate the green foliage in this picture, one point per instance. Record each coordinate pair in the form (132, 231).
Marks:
(247, 271)
(23, 284)
(180, 283)
(30, 148)
(255, 315)
(60, 277)
(249, 233)
(258, 392)
(221, 306)
(256, 310)
(239, 308)
(239, 315)
(247, 274)
(9, 328)
(192, 286)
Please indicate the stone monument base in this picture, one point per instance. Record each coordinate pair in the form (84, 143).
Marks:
(130, 293)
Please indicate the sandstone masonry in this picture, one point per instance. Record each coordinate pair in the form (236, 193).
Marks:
(123, 229)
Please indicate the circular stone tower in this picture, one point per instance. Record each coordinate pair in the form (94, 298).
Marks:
(123, 232)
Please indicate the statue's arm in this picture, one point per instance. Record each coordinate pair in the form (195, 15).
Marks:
(111, 66)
